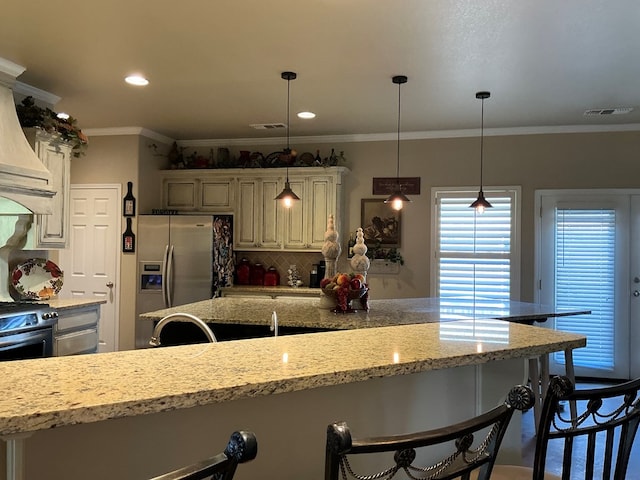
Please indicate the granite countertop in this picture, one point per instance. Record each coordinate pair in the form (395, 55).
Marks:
(58, 391)
(305, 312)
(67, 303)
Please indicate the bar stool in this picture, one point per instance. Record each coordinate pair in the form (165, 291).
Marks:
(600, 434)
(242, 447)
(469, 446)
(539, 377)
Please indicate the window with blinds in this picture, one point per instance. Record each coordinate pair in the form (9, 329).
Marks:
(585, 242)
(475, 252)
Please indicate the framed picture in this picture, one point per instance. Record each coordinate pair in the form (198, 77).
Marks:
(380, 223)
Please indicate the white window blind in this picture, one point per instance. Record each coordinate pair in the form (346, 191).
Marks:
(475, 251)
(584, 275)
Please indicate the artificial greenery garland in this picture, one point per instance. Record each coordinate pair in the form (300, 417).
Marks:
(31, 115)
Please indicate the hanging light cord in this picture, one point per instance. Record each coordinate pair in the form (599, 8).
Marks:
(398, 146)
(481, 139)
(288, 87)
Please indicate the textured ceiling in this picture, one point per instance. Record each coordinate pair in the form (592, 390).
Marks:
(214, 66)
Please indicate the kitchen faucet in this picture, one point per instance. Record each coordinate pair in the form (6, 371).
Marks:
(274, 324)
(155, 336)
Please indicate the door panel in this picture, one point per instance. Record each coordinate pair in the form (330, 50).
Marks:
(192, 241)
(584, 262)
(90, 263)
(634, 288)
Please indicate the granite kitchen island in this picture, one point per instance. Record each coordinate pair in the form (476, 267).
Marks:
(303, 312)
(135, 414)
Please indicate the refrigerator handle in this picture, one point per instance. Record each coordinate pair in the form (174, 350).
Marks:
(165, 277)
(170, 277)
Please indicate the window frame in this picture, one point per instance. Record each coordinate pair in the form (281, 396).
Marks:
(515, 192)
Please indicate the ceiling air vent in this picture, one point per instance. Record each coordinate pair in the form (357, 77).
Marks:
(608, 111)
(267, 126)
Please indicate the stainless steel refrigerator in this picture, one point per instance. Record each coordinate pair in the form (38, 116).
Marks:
(181, 259)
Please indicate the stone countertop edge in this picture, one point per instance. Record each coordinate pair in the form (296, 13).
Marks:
(305, 312)
(59, 391)
(278, 290)
(66, 303)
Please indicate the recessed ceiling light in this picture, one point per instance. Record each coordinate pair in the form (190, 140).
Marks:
(306, 115)
(137, 80)
(63, 116)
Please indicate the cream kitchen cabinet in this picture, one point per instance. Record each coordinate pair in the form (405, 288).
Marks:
(52, 231)
(190, 192)
(257, 223)
(261, 223)
(306, 222)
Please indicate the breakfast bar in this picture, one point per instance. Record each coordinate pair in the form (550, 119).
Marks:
(87, 416)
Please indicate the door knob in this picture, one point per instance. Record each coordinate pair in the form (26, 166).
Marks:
(636, 293)
(110, 284)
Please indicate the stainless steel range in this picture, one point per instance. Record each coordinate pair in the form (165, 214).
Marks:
(26, 330)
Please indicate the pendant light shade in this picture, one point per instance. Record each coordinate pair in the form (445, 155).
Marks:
(397, 198)
(287, 196)
(481, 203)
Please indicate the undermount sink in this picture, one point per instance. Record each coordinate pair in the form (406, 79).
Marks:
(155, 336)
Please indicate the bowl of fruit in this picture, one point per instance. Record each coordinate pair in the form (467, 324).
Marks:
(344, 287)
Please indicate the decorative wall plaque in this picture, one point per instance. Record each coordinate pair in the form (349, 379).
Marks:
(387, 185)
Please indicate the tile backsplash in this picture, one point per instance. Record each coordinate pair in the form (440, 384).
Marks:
(282, 260)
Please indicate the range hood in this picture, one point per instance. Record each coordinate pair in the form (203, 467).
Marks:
(23, 177)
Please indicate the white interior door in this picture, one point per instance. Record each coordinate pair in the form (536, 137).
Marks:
(585, 261)
(90, 263)
(634, 288)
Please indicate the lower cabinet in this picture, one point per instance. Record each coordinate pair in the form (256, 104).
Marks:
(77, 330)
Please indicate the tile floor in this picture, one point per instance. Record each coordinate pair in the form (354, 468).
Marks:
(554, 458)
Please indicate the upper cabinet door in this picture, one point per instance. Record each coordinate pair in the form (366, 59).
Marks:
(183, 192)
(323, 202)
(295, 217)
(306, 221)
(52, 231)
(257, 216)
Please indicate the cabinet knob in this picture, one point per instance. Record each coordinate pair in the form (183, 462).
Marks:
(110, 284)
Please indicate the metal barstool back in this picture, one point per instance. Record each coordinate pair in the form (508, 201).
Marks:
(470, 446)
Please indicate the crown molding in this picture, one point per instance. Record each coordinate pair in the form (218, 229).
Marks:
(365, 137)
(386, 137)
(117, 131)
(38, 94)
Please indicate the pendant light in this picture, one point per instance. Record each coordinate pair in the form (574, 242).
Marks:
(481, 203)
(397, 198)
(287, 196)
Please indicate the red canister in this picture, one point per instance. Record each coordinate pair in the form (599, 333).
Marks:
(257, 274)
(243, 271)
(272, 277)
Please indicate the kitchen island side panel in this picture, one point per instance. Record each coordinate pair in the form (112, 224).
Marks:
(290, 427)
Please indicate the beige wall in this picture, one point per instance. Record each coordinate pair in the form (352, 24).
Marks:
(594, 160)
(115, 160)
(603, 160)
(589, 160)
